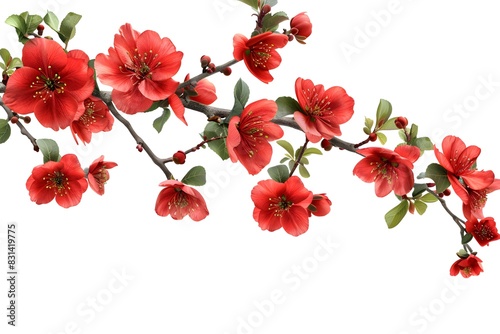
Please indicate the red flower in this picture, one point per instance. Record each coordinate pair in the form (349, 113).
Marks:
(98, 174)
(204, 92)
(64, 180)
(259, 53)
(179, 200)
(459, 160)
(52, 83)
(390, 170)
(139, 68)
(322, 111)
(320, 205)
(301, 27)
(477, 200)
(483, 231)
(249, 135)
(95, 118)
(470, 266)
(282, 205)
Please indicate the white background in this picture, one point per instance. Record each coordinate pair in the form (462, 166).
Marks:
(224, 275)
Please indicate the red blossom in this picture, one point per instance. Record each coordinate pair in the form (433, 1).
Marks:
(390, 170)
(204, 92)
(301, 27)
(470, 266)
(94, 118)
(52, 83)
(259, 53)
(179, 200)
(282, 205)
(459, 161)
(322, 111)
(320, 205)
(483, 231)
(473, 207)
(63, 180)
(249, 135)
(98, 174)
(139, 68)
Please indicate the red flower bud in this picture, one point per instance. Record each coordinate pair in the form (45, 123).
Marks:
(301, 27)
(39, 29)
(372, 136)
(401, 122)
(447, 192)
(227, 71)
(265, 9)
(14, 119)
(139, 147)
(326, 145)
(205, 60)
(179, 157)
(27, 119)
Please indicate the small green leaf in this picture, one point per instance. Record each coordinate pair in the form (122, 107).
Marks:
(382, 138)
(384, 111)
(420, 206)
(418, 188)
(5, 55)
(214, 130)
(466, 238)
(278, 173)
(271, 22)
(241, 94)
(368, 124)
(304, 161)
(195, 177)
(49, 149)
(68, 26)
(413, 131)
(52, 21)
(423, 143)
(286, 145)
(17, 22)
(285, 159)
(32, 22)
(286, 106)
(304, 172)
(312, 150)
(439, 175)
(396, 214)
(271, 3)
(252, 3)
(4, 130)
(160, 121)
(389, 125)
(428, 198)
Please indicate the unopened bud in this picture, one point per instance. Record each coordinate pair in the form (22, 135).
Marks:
(27, 119)
(326, 145)
(139, 147)
(205, 60)
(40, 29)
(401, 122)
(14, 119)
(447, 192)
(265, 9)
(372, 136)
(179, 157)
(227, 71)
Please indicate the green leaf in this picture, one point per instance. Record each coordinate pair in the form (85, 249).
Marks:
(5, 55)
(160, 121)
(312, 150)
(241, 94)
(287, 106)
(278, 173)
(382, 138)
(466, 238)
(213, 130)
(396, 214)
(428, 198)
(32, 22)
(418, 188)
(271, 22)
(413, 131)
(68, 27)
(17, 22)
(52, 21)
(423, 143)
(304, 161)
(196, 176)
(4, 130)
(420, 206)
(286, 145)
(49, 149)
(304, 172)
(368, 123)
(271, 3)
(439, 175)
(285, 159)
(389, 125)
(384, 111)
(252, 3)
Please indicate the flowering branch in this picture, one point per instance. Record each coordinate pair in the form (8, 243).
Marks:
(21, 127)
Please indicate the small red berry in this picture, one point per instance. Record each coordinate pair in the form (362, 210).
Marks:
(27, 119)
(447, 192)
(265, 9)
(139, 147)
(205, 60)
(179, 157)
(14, 119)
(372, 136)
(401, 122)
(326, 145)
(40, 29)
(227, 71)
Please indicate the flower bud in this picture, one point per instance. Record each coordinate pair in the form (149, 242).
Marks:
(205, 60)
(301, 27)
(27, 119)
(39, 29)
(139, 147)
(401, 122)
(227, 71)
(326, 145)
(372, 136)
(265, 9)
(14, 119)
(179, 157)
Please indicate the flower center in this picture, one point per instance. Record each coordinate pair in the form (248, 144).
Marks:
(279, 205)
(483, 232)
(316, 106)
(142, 65)
(58, 182)
(47, 84)
(260, 54)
